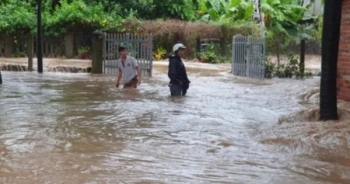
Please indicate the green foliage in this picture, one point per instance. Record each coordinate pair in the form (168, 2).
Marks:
(16, 16)
(283, 21)
(289, 70)
(159, 54)
(83, 49)
(226, 11)
(181, 9)
(212, 55)
(84, 52)
(269, 68)
(319, 25)
(153, 9)
(219, 19)
(69, 15)
(20, 16)
(281, 16)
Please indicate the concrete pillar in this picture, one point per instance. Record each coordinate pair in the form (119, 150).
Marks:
(69, 45)
(30, 51)
(8, 46)
(97, 52)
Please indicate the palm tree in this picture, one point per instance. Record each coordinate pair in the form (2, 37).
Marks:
(330, 44)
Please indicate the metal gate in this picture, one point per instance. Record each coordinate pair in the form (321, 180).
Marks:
(248, 57)
(139, 47)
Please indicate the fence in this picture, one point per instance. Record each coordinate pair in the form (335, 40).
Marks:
(77, 45)
(248, 57)
(73, 45)
(139, 46)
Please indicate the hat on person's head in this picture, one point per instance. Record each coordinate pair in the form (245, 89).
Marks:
(178, 46)
(121, 48)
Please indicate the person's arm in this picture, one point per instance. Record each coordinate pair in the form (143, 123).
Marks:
(118, 77)
(138, 70)
(138, 74)
(172, 74)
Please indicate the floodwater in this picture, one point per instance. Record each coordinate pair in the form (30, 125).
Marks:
(78, 128)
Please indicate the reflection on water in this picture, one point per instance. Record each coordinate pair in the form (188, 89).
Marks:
(78, 128)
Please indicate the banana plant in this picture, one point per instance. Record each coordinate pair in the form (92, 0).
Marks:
(282, 21)
(227, 11)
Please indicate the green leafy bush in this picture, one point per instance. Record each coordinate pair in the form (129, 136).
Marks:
(17, 16)
(167, 33)
(289, 70)
(212, 55)
(77, 14)
(269, 68)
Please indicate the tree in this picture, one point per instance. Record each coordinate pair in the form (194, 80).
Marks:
(330, 45)
(155, 9)
(70, 15)
(152, 9)
(16, 16)
(282, 21)
(226, 11)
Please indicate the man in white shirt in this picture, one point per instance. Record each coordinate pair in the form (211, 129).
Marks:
(128, 69)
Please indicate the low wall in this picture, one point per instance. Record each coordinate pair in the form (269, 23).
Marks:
(65, 69)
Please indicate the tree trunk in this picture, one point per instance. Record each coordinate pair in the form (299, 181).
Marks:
(330, 45)
(277, 44)
(302, 58)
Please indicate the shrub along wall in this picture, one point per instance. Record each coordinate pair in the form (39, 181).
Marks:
(172, 31)
(167, 33)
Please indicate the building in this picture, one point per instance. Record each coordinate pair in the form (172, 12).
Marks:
(343, 71)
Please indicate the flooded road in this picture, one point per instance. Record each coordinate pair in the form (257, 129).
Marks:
(78, 128)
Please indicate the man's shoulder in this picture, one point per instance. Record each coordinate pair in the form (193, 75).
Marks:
(174, 59)
(130, 58)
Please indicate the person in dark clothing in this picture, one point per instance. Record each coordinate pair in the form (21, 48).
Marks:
(0, 78)
(179, 82)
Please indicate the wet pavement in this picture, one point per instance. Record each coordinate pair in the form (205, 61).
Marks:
(78, 128)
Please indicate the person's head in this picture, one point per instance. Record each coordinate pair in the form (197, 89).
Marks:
(123, 52)
(179, 49)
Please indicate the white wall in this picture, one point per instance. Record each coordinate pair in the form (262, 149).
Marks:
(316, 7)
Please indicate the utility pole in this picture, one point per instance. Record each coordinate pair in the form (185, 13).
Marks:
(302, 52)
(258, 17)
(39, 51)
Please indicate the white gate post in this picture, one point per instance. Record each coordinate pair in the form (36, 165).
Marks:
(248, 56)
(150, 54)
(233, 55)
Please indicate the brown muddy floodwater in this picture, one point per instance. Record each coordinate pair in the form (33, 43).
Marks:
(78, 128)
